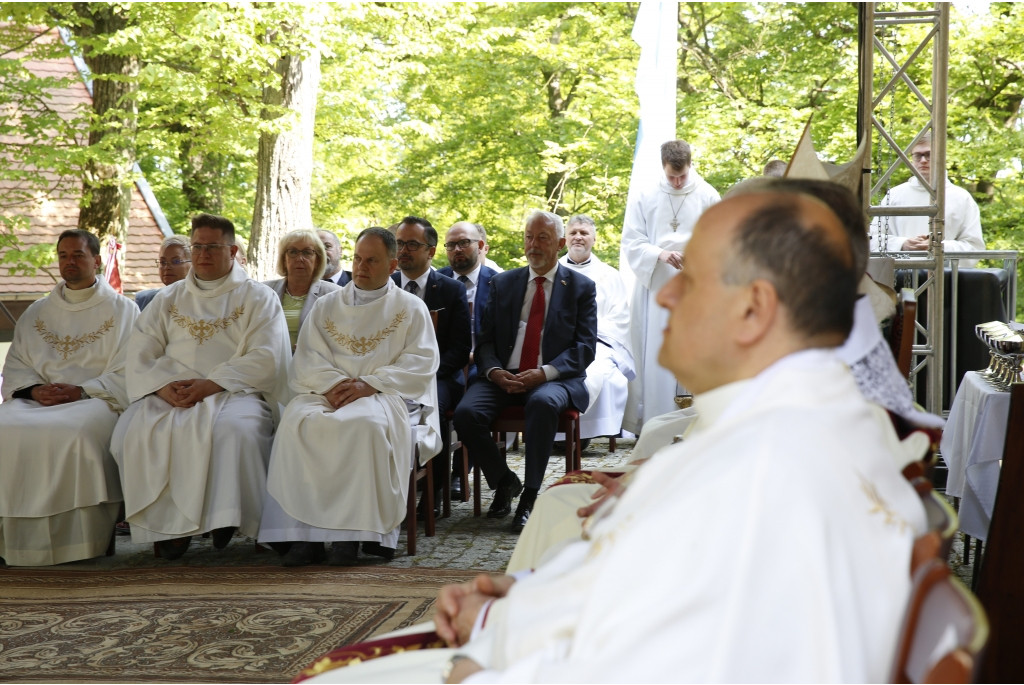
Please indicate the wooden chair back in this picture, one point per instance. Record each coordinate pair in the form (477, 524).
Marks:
(904, 326)
(944, 630)
(999, 586)
(942, 524)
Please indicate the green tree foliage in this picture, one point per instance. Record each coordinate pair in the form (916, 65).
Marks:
(479, 113)
(483, 111)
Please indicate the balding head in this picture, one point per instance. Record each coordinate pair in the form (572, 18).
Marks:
(764, 275)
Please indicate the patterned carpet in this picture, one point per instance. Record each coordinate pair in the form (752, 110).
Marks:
(258, 625)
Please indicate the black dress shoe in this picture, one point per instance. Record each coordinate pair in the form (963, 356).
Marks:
(507, 489)
(421, 510)
(280, 547)
(379, 550)
(173, 549)
(304, 553)
(457, 487)
(343, 553)
(222, 536)
(523, 510)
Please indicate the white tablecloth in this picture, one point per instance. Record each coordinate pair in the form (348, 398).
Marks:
(972, 447)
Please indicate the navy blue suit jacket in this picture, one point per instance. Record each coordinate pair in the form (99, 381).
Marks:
(483, 283)
(570, 328)
(447, 297)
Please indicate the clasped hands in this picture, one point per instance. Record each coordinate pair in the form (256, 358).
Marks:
(515, 383)
(51, 394)
(348, 391)
(186, 394)
(673, 258)
(458, 606)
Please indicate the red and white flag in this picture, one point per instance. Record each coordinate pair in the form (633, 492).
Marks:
(112, 273)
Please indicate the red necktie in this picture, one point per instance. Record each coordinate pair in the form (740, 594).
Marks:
(534, 325)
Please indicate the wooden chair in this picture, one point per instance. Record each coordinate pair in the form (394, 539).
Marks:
(998, 580)
(904, 326)
(942, 524)
(513, 420)
(944, 630)
(418, 473)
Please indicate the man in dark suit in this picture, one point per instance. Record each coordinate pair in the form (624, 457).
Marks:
(332, 270)
(446, 300)
(537, 336)
(464, 244)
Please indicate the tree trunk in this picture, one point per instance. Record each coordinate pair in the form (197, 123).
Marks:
(285, 162)
(107, 177)
(202, 175)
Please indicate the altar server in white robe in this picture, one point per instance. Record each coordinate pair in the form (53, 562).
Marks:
(612, 368)
(207, 364)
(63, 388)
(363, 375)
(657, 228)
(962, 230)
(786, 448)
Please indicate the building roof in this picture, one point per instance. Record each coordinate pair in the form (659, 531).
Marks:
(56, 209)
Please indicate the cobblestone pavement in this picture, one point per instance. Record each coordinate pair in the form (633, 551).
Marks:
(462, 541)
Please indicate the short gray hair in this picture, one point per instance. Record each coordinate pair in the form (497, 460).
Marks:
(550, 216)
(292, 237)
(177, 241)
(582, 219)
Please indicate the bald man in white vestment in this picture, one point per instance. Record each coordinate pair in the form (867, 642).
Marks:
(63, 388)
(657, 228)
(363, 375)
(207, 364)
(785, 448)
(612, 368)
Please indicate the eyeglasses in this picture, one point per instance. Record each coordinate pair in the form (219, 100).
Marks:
(295, 254)
(458, 244)
(919, 156)
(411, 246)
(161, 263)
(197, 247)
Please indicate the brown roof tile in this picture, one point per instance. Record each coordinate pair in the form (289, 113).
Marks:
(57, 209)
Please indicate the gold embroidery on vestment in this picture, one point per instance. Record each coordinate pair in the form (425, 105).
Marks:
(202, 330)
(68, 345)
(363, 345)
(879, 505)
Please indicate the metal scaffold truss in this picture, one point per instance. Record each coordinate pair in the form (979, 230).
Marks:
(899, 41)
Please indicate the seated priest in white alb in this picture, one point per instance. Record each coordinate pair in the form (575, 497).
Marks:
(785, 448)
(609, 374)
(63, 388)
(365, 398)
(560, 511)
(206, 365)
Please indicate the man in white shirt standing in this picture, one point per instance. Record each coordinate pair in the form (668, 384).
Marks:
(912, 233)
(657, 229)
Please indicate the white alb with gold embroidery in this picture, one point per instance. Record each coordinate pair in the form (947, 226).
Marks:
(59, 487)
(344, 474)
(188, 471)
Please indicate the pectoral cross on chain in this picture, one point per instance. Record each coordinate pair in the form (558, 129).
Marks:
(674, 224)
